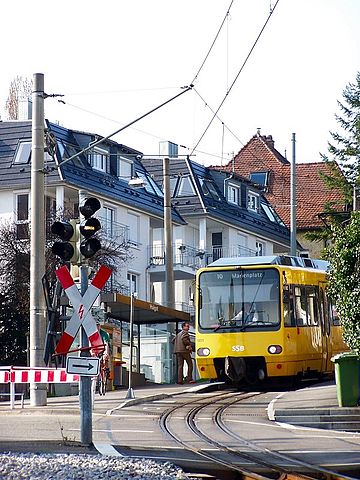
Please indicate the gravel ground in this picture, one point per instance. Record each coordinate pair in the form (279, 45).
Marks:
(29, 466)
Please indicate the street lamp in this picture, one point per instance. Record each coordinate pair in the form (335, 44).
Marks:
(130, 393)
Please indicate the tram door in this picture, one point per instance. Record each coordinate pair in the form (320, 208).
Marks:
(325, 329)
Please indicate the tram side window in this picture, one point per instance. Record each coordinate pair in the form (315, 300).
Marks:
(288, 301)
(300, 306)
(334, 315)
(312, 295)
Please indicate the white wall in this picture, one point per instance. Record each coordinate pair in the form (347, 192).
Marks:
(8, 204)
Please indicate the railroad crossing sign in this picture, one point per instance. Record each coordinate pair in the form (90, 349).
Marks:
(82, 305)
(83, 365)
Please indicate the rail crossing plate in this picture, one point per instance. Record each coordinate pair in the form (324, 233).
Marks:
(83, 365)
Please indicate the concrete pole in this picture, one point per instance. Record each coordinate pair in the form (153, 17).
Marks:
(293, 200)
(130, 393)
(169, 267)
(37, 241)
(85, 394)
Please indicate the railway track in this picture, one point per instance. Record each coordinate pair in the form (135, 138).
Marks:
(188, 425)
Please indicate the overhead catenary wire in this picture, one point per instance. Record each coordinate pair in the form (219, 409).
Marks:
(238, 74)
(77, 107)
(101, 140)
(213, 43)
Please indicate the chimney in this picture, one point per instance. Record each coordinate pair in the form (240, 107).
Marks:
(168, 149)
(269, 140)
(24, 108)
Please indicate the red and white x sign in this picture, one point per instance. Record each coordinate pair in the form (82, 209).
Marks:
(82, 305)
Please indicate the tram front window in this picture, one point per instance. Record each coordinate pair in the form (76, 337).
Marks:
(239, 300)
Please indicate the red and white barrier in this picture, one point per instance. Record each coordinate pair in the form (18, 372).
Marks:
(13, 375)
(40, 375)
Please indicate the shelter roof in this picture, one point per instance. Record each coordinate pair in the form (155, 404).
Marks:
(145, 313)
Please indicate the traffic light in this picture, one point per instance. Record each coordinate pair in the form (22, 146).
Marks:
(67, 232)
(90, 245)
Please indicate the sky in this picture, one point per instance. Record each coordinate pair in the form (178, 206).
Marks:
(116, 60)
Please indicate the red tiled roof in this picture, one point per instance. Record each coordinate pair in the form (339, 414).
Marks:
(259, 154)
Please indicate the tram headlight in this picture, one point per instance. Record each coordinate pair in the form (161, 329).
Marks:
(203, 352)
(274, 349)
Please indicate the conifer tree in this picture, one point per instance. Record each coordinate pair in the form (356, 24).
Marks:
(345, 145)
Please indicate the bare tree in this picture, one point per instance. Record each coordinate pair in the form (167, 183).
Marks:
(20, 88)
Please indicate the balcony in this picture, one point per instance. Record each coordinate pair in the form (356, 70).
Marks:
(187, 259)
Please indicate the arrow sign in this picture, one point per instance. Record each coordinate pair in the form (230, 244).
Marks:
(83, 365)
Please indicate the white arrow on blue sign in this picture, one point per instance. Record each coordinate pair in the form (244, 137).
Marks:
(83, 365)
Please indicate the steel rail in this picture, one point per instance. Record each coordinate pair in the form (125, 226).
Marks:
(164, 421)
(326, 474)
(275, 472)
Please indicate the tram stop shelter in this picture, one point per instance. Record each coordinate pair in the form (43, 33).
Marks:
(118, 306)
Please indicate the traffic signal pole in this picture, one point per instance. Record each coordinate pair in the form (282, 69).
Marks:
(85, 397)
(38, 392)
(85, 394)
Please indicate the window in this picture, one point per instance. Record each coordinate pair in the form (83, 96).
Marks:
(312, 295)
(268, 212)
(50, 207)
(186, 187)
(125, 168)
(108, 221)
(23, 152)
(259, 248)
(66, 151)
(134, 228)
(260, 178)
(253, 202)
(149, 184)
(209, 189)
(271, 214)
(288, 301)
(300, 306)
(228, 298)
(22, 216)
(132, 279)
(233, 194)
(99, 159)
(242, 243)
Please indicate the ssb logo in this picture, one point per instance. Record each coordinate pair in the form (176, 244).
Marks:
(238, 348)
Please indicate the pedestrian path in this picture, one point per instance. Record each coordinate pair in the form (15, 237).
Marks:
(316, 407)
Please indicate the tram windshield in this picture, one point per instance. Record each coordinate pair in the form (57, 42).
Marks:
(239, 300)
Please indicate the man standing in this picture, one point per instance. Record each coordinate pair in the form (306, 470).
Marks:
(183, 349)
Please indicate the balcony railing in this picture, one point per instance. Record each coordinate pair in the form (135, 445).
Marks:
(189, 256)
(114, 230)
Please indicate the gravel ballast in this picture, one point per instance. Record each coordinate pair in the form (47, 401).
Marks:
(30, 466)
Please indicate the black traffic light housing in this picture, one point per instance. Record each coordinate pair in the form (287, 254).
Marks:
(90, 245)
(65, 248)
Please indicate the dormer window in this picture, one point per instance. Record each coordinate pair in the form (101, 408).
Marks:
(233, 194)
(99, 159)
(253, 201)
(186, 187)
(125, 168)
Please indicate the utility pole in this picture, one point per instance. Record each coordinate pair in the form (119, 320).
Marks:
(293, 200)
(130, 393)
(85, 394)
(37, 241)
(169, 267)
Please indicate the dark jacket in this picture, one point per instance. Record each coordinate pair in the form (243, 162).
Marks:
(182, 342)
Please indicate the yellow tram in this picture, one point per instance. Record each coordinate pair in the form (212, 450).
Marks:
(263, 317)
